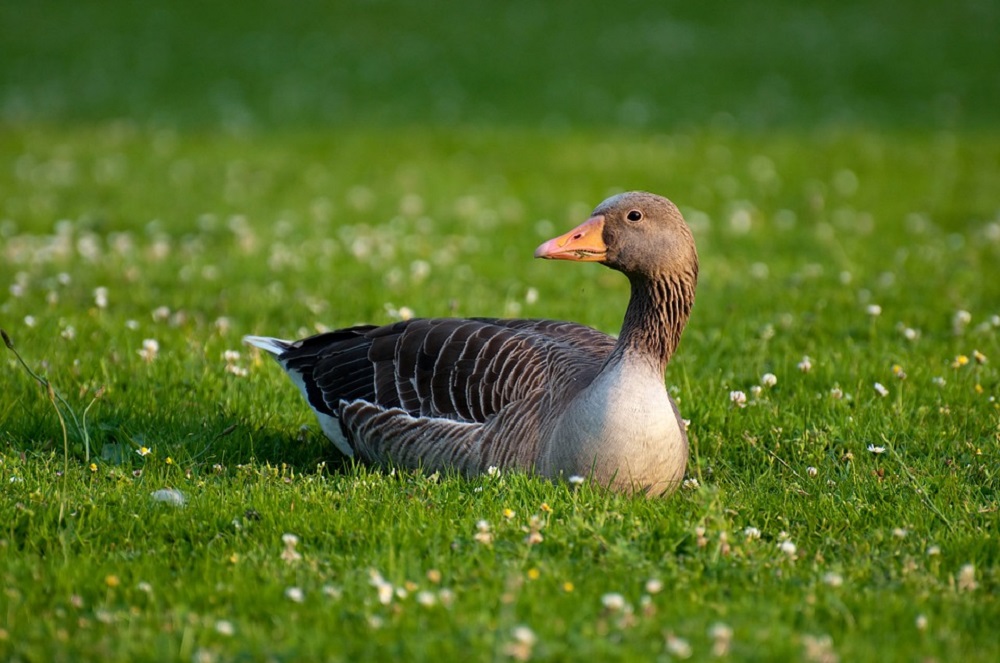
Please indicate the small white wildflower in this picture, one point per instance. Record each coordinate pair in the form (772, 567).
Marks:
(161, 313)
(290, 554)
(882, 391)
(722, 638)
(833, 579)
(144, 587)
(960, 320)
(170, 496)
(405, 313)
(899, 533)
(68, 332)
(150, 348)
(812, 471)
(805, 365)
(876, 449)
(522, 643)
(788, 548)
(576, 480)
(836, 393)
(690, 484)
(131, 325)
(967, 578)
(938, 381)
(910, 334)
(920, 622)
(144, 451)
(756, 390)
(654, 586)
(531, 296)
(295, 594)
(933, 551)
(224, 627)
(332, 591)
(874, 310)
(752, 533)
(426, 599)
(483, 534)
(101, 297)
(446, 596)
(769, 379)
(613, 601)
(738, 398)
(493, 471)
(29, 321)
(678, 647)
(231, 356)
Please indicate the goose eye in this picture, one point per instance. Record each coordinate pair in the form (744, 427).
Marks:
(634, 216)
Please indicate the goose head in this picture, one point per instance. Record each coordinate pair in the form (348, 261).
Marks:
(639, 234)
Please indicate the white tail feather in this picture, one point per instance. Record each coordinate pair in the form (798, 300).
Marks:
(275, 346)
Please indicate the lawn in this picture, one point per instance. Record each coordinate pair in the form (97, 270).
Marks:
(173, 177)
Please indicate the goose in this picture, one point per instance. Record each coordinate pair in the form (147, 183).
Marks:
(559, 399)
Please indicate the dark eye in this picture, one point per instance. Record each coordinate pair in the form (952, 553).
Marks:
(634, 215)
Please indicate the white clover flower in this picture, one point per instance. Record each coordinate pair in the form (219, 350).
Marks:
(882, 391)
(101, 297)
(161, 313)
(678, 647)
(576, 480)
(426, 599)
(150, 348)
(756, 390)
(769, 379)
(738, 398)
(833, 579)
(805, 365)
(224, 627)
(967, 578)
(788, 548)
(170, 496)
(812, 471)
(752, 533)
(295, 594)
(613, 601)
(874, 310)
(836, 393)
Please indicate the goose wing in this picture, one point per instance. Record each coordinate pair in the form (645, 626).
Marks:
(463, 370)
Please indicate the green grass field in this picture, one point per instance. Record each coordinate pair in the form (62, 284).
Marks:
(173, 177)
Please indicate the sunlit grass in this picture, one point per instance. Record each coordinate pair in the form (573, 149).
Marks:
(174, 176)
(821, 515)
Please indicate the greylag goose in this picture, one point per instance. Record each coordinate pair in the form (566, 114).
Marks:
(556, 398)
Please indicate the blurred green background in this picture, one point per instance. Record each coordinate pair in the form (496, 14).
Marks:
(551, 65)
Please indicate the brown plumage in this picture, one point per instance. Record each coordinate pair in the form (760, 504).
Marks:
(557, 398)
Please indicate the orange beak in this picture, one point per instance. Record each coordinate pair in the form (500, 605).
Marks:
(585, 243)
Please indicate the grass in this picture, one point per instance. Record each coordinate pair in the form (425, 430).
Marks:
(247, 175)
